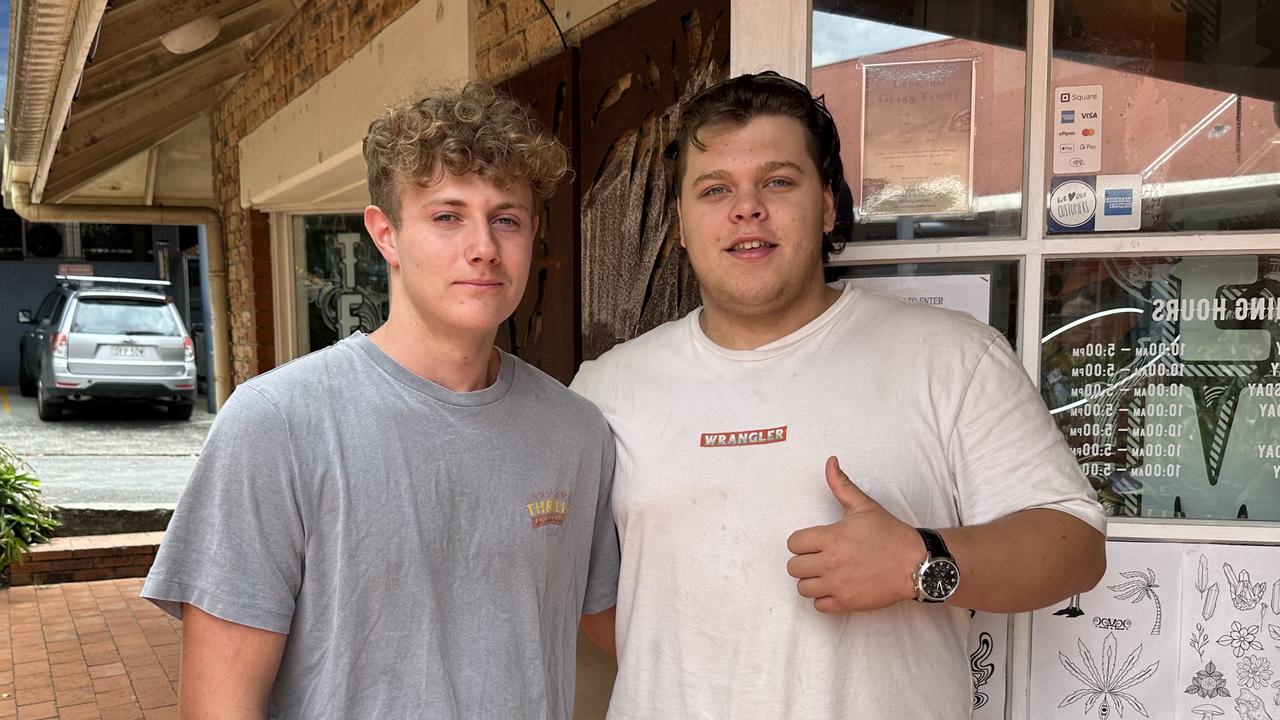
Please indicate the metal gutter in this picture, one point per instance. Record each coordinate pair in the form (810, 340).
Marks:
(219, 335)
(85, 26)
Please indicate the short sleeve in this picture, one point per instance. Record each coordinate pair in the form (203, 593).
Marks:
(602, 576)
(1007, 452)
(234, 547)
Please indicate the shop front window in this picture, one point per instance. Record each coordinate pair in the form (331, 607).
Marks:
(987, 290)
(340, 280)
(929, 103)
(1164, 375)
(1164, 120)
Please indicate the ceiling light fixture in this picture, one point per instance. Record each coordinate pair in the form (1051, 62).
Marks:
(192, 36)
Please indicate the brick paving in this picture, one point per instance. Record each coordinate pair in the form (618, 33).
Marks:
(81, 651)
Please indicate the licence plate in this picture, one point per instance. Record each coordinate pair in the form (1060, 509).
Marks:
(126, 351)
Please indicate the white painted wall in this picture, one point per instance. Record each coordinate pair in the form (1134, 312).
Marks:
(308, 154)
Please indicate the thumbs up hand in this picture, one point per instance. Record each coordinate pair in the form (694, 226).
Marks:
(864, 561)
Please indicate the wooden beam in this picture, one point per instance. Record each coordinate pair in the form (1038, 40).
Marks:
(146, 94)
(90, 126)
(72, 170)
(151, 58)
(149, 186)
(142, 21)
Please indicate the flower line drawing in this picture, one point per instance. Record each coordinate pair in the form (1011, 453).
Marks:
(1241, 639)
(1106, 684)
(1208, 683)
(1253, 672)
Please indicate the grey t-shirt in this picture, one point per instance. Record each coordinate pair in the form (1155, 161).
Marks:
(428, 552)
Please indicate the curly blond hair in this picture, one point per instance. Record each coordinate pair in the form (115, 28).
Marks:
(474, 128)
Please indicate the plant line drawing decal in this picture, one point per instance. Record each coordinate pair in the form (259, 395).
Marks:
(1198, 640)
(1140, 586)
(1106, 684)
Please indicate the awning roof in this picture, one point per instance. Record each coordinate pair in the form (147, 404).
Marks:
(130, 117)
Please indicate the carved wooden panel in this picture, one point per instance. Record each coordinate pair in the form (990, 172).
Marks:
(635, 75)
(544, 329)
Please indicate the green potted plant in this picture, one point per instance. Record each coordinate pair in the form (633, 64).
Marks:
(24, 517)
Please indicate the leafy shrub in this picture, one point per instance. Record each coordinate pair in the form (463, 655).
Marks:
(25, 520)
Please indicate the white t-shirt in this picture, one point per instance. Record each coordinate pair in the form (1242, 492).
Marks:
(720, 458)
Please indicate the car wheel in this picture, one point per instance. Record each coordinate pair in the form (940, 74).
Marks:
(180, 412)
(46, 408)
(26, 385)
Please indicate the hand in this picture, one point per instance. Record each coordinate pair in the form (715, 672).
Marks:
(862, 562)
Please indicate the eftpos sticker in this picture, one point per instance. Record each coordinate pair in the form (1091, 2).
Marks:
(1119, 202)
(1077, 129)
(1073, 203)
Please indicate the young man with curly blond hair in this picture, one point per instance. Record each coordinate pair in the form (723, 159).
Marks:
(409, 523)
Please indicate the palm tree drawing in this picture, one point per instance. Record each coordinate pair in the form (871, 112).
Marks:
(1106, 681)
(1140, 587)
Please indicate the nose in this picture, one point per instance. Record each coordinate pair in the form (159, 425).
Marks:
(482, 249)
(747, 204)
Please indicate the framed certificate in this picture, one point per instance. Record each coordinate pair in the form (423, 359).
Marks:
(917, 139)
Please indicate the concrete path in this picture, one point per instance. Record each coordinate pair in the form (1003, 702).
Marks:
(120, 457)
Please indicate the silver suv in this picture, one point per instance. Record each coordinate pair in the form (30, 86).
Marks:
(110, 339)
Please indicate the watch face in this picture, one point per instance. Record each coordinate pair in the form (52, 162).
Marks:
(939, 579)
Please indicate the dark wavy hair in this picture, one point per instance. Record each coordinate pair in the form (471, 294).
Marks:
(472, 128)
(737, 101)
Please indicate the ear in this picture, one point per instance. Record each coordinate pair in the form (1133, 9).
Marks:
(536, 222)
(383, 233)
(828, 210)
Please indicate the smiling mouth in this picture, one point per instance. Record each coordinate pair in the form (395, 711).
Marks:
(745, 245)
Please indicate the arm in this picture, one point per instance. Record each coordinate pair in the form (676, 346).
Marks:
(227, 669)
(1023, 561)
(600, 628)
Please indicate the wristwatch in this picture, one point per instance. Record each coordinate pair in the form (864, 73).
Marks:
(937, 577)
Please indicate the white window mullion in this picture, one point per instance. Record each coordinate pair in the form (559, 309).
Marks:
(916, 252)
(1039, 66)
(1181, 244)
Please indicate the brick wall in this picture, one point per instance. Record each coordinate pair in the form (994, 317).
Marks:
(513, 35)
(319, 37)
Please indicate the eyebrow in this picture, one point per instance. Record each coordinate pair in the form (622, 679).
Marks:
(771, 166)
(461, 203)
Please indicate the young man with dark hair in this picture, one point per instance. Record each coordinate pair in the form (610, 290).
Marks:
(748, 586)
(409, 523)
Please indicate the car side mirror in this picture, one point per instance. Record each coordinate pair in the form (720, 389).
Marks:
(24, 317)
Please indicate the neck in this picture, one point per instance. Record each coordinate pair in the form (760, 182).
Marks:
(739, 328)
(457, 362)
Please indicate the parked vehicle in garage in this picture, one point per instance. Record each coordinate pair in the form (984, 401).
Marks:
(110, 340)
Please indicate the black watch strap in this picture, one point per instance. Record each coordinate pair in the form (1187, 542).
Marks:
(934, 544)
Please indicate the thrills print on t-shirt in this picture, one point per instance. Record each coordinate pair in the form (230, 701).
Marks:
(547, 507)
(739, 438)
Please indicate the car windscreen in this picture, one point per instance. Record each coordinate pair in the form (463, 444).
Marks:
(123, 316)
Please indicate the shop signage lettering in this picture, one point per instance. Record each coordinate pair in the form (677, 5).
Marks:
(1217, 309)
